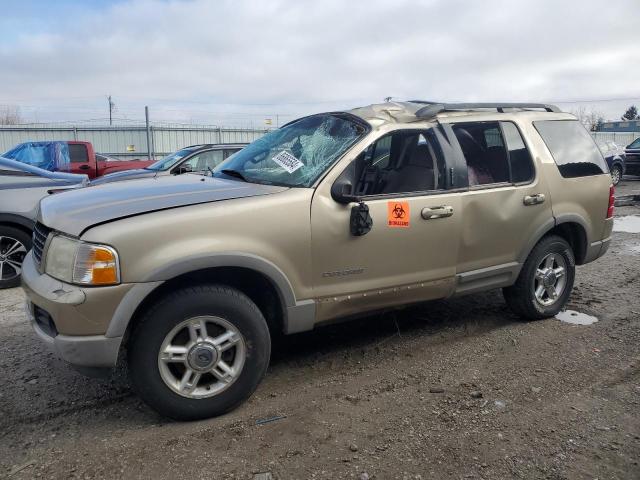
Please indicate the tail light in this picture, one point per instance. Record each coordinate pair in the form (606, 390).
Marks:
(612, 201)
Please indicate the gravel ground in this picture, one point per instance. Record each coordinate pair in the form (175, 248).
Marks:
(449, 389)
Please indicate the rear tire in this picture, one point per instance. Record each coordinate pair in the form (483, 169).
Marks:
(199, 352)
(616, 174)
(545, 281)
(14, 245)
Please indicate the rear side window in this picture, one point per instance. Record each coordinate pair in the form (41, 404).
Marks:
(519, 157)
(78, 153)
(572, 148)
(484, 151)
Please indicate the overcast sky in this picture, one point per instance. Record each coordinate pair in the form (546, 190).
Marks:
(238, 62)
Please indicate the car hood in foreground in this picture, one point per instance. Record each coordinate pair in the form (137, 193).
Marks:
(76, 211)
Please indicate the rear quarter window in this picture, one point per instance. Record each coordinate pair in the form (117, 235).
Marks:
(572, 148)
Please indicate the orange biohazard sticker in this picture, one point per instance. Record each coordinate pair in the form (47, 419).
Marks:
(398, 214)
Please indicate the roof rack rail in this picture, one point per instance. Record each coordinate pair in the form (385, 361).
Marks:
(432, 109)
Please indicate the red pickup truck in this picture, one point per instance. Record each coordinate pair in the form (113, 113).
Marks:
(70, 156)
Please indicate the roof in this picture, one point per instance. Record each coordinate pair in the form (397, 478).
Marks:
(419, 110)
(216, 145)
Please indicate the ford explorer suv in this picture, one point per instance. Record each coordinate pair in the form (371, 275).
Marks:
(185, 278)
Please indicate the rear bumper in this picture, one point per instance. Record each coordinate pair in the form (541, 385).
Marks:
(597, 249)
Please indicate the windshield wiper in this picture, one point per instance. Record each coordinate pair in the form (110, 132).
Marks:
(233, 173)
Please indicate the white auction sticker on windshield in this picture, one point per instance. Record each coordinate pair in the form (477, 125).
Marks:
(287, 161)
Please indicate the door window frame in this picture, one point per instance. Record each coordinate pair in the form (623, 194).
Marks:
(449, 164)
(486, 186)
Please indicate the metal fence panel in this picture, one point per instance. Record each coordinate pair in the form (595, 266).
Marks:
(621, 138)
(129, 141)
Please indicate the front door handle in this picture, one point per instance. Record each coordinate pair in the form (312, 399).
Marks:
(533, 199)
(84, 167)
(429, 213)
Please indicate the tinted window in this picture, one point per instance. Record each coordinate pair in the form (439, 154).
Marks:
(484, 152)
(572, 148)
(635, 143)
(78, 153)
(402, 162)
(519, 157)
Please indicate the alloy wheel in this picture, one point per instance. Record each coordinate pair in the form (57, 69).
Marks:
(12, 253)
(201, 357)
(550, 279)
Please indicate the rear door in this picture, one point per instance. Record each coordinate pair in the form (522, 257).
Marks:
(79, 157)
(506, 205)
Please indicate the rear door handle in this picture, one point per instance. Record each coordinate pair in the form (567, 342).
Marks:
(533, 199)
(429, 213)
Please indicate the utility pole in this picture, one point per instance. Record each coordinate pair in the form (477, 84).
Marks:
(146, 118)
(111, 105)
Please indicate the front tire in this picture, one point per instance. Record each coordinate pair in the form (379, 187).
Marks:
(14, 245)
(199, 352)
(545, 281)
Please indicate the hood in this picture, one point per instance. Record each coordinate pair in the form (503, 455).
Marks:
(124, 175)
(76, 211)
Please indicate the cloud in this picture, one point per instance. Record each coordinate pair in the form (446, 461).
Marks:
(198, 59)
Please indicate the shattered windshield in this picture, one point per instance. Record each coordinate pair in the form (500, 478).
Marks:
(170, 160)
(296, 154)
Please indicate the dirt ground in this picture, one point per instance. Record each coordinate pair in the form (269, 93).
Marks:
(449, 389)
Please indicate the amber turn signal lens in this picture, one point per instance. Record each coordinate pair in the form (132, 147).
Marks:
(96, 265)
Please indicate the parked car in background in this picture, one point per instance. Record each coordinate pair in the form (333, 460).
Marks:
(195, 158)
(615, 157)
(71, 156)
(632, 153)
(21, 188)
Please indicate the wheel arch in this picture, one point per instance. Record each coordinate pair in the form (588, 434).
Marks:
(260, 280)
(17, 221)
(570, 227)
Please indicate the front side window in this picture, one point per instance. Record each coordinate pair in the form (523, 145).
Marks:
(484, 151)
(297, 154)
(401, 162)
(170, 160)
(204, 161)
(572, 148)
(78, 153)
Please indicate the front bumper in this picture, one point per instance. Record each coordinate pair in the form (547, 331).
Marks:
(94, 351)
(74, 321)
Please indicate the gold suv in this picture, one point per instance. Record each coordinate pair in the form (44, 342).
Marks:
(330, 216)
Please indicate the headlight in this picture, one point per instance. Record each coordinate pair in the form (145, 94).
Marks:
(73, 261)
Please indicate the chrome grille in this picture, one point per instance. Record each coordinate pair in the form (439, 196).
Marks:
(40, 234)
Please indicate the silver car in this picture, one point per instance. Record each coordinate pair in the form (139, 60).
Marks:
(21, 188)
(195, 158)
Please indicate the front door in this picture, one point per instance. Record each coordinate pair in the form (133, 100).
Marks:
(411, 250)
(79, 159)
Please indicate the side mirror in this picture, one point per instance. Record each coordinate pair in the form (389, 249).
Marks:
(183, 169)
(342, 188)
(360, 222)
